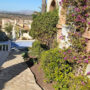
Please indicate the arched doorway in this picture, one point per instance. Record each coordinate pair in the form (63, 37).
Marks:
(53, 5)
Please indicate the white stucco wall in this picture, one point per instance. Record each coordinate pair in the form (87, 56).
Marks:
(49, 3)
(65, 29)
(65, 42)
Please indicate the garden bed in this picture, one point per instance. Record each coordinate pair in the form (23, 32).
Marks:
(39, 76)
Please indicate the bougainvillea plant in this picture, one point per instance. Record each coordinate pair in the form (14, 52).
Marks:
(77, 17)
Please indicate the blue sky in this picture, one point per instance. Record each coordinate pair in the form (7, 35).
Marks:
(16, 5)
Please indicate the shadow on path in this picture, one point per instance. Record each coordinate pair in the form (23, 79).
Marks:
(13, 54)
(10, 72)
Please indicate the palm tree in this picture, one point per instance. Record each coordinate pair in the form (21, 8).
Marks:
(43, 6)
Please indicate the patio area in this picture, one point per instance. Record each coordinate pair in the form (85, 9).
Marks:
(15, 74)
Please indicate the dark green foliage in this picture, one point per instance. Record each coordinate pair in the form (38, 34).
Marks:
(3, 36)
(36, 49)
(35, 15)
(44, 27)
(79, 83)
(25, 55)
(8, 28)
(60, 67)
(56, 68)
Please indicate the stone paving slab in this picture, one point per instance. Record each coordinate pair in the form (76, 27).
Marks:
(3, 56)
(15, 74)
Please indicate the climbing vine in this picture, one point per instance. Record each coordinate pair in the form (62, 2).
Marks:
(78, 18)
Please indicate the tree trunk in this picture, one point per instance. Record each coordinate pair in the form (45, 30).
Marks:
(43, 6)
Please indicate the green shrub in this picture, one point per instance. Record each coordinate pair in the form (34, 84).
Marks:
(79, 83)
(60, 66)
(25, 55)
(36, 49)
(8, 29)
(44, 27)
(3, 36)
(55, 67)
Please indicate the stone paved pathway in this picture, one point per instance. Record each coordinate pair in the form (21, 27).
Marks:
(15, 75)
(3, 56)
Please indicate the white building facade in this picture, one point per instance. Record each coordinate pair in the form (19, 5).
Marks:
(63, 29)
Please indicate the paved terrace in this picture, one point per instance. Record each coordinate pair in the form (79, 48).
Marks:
(15, 75)
(3, 56)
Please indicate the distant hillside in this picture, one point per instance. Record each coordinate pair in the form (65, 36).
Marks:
(19, 14)
(25, 12)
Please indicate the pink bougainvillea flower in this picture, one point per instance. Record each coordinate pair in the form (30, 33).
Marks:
(88, 57)
(62, 0)
(86, 61)
(61, 37)
(86, 15)
(84, 57)
(79, 16)
(83, 20)
(85, 0)
(60, 3)
(77, 9)
(84, 7)
(73, 14)
(69, 51)
(77, 19)
(64, 53)
(83, 83)
(88, 73)
(79, 61)
(65, 58)
(74, 57)
(59, 51)
(86, 40)
(89, 23)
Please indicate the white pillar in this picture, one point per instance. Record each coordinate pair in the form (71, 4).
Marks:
(65, 42)
(9, 45)
(3, 25)
(13, 31)
(2, 48)
(5, 47)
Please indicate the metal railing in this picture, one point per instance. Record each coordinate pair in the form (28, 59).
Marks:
(5, 46)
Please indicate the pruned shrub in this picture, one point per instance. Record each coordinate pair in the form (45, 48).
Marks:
(60, 66)
(44, 28)
(55, 67)
(36, 49)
